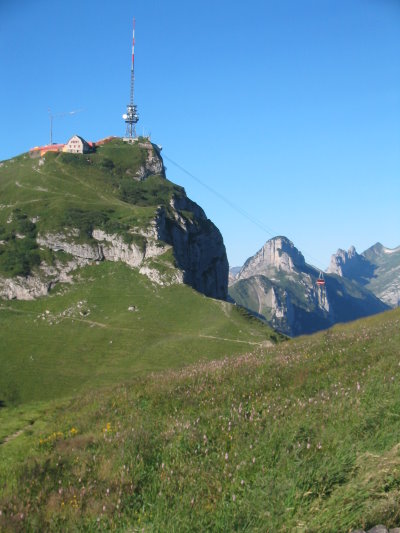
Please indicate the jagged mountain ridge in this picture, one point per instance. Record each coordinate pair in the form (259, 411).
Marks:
(65, 211)
(280, 287)
(377, 268)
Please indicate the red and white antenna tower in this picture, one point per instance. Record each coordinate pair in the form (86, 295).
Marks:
(131, 116)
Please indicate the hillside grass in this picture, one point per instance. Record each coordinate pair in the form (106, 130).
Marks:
(62, 192)
(112, 324)
(303, 436)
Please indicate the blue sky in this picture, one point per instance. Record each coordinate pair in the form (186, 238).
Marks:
(289, 109)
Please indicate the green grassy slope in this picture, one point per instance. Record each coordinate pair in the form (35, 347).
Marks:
(74, 191)
(303, 436)
(84, 334)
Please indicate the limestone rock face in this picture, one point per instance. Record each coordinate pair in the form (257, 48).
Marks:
(349, 264)
(198, 246)
(153, 165)
(278, 254)
(60, 242)
(40, 283)
(196, 243)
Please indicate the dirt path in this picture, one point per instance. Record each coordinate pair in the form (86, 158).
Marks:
(13, 436)
(19, 432)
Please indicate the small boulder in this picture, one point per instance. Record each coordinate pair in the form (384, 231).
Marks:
(378, 529)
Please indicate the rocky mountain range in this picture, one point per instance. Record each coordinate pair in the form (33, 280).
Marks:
(65, 211)
(377, 269)
(278, 285)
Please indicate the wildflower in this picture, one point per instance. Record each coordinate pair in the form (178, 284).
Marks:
(233, 497)
(226, 456)
(254, 460)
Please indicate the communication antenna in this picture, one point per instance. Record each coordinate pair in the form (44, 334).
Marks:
(131, 116)
(57, 115)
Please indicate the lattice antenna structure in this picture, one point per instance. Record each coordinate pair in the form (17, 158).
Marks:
(131, 116)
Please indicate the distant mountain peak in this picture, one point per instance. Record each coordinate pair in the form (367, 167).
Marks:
(277, 254)
(377, 268)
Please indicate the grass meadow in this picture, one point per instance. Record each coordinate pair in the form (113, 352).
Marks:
(300, 436)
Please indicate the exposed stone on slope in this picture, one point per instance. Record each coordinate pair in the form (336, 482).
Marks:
(40, 283)
(153, 165)
(278, 254)
(60, 242)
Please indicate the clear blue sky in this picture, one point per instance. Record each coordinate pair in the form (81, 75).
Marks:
(288, 108)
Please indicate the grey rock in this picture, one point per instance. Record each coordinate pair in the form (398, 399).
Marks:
(198, 246)
(394, 530)
(277, 254)
(154, 163)
(378, 529)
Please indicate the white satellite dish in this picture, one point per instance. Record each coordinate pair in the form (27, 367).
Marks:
(124, 116)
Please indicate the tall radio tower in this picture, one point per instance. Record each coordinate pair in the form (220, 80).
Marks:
(131, 117)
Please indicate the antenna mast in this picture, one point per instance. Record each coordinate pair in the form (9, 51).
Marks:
(131, 116)
(51, 116)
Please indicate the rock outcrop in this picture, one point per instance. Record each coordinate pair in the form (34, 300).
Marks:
(278, 285)
(351, 265)
(198, 246)
(380, 528)
(179, 225)
(153, 164)
(277, 255)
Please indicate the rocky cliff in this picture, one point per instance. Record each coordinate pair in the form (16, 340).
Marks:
(280, 287)
(378, 269)
(117, 205)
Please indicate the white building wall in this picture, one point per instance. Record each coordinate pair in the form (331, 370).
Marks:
(76, 146)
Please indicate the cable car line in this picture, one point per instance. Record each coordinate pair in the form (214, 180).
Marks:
(320, 281)
(234, 206)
